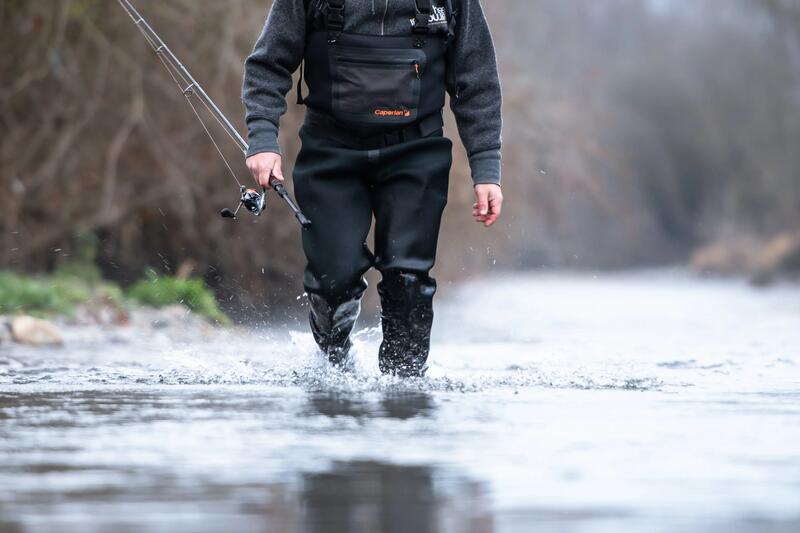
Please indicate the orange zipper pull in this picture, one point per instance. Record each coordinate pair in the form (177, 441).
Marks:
(416, 69)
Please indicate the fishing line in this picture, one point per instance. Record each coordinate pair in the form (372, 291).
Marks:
(186, 89)
(251, 199)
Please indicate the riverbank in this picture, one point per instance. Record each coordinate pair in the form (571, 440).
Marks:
(175, 322)
(38, 310)
(762, 260)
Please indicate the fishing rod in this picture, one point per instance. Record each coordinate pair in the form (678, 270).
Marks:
(251, 199)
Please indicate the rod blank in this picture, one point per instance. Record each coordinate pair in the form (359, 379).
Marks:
(195, 89)
(161, 48)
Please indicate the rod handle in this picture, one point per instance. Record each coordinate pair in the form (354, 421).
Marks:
(277, 185)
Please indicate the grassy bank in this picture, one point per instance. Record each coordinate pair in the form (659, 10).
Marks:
(74, 288)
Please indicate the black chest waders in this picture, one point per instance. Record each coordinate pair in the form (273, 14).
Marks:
(372, 91)
(373, 148)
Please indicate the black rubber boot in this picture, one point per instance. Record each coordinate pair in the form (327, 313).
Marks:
(331, 326)
(406, 318)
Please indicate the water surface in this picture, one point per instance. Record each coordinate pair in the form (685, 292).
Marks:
(630, 402)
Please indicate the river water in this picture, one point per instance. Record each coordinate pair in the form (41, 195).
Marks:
(555, 402)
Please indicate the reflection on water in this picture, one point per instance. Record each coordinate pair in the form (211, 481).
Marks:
(399, 405)
(105, 460)
(373, 496)
(370, 496)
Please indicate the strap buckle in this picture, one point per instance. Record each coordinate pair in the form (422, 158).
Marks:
(421, 22)
(334, 18)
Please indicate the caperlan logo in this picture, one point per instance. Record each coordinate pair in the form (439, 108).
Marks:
(392, 113)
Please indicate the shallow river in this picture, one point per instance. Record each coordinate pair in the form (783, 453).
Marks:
(636, 402)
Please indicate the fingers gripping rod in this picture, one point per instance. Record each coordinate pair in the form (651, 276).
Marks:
(192, 87)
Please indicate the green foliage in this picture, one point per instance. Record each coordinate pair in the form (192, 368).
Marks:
(75, 285)
(161, 291)
(56, 295)
(79, 282)
(78, 271)
(22, 294)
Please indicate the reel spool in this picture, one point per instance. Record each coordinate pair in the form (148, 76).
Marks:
(251, 199)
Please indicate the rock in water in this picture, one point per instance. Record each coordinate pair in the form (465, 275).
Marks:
(29, 330)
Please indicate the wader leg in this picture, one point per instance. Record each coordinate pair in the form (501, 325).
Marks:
(333, 191)
(331, 326)
(406, 319)
(409, 197)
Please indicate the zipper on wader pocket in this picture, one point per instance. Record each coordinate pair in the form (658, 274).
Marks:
(385, 63)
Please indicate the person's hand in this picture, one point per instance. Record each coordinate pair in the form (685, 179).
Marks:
(264, 167)
(489, 203)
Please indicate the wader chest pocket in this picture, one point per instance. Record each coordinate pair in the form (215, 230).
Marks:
(377, 86)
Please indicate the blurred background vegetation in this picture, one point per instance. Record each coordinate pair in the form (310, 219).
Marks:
(637, 133)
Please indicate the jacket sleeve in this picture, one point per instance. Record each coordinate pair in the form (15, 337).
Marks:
(475, 95)
(268, 73)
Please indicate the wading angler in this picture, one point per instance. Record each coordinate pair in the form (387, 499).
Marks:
(372, 146)
(377, 73)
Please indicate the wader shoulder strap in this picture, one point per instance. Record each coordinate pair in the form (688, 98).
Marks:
(331, 13)
(423, 16)
(313, 12)
(451, 22)
(452, 76)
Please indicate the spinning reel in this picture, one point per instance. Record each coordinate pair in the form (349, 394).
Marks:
(256, 202)
(251, 199)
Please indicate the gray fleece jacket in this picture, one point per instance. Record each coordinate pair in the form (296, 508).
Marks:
(281, 47)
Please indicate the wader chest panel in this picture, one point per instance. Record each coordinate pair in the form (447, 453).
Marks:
(376, 85)
(373, 81)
